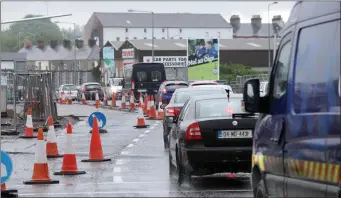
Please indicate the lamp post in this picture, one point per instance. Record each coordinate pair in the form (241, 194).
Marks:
(152, 28)
(74, 38)
(269, 50)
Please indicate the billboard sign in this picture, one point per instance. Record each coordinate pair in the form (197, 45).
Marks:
(168, 61)
(128, 53)
(203, 59)
(109, 58)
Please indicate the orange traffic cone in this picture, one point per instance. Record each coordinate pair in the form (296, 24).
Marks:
(69, 99)
(141, 123)
(63, 98)
(8, 192)
(97, 100)
(51, 145)
(96, 152)
(145, 106)
(113, 100)
(69, 166)
(152, 111)
(132, 101)
(123, 101)
(141, 103)
(83, 99)
(149, 103)
(29, 126)
(160, 110)
(41, 168)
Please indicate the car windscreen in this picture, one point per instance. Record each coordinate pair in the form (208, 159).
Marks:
(141, 76)
(183, 96)
(218, 108)
(93, 86)
(69, 88)
(173, 87)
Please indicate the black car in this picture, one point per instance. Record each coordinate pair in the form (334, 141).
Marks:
(89, 90)
(180, 96)
(212, 135)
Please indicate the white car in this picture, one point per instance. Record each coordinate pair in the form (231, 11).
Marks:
(68, 90)
(226, 87)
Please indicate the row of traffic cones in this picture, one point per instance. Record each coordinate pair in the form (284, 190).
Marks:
(65, 100)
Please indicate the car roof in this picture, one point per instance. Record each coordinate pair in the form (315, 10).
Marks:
(172, 82)
(198, 88)
(223, 86)
(211, 96)
(203, 81)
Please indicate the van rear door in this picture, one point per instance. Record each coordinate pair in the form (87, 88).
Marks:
(148, 78)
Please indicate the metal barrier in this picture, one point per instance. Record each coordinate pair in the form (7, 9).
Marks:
(240, 80)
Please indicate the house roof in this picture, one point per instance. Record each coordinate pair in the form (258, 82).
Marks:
(61, 53)
(116, 44)
(246, 30)
(165, 20)
(224, 44)
(12, 56)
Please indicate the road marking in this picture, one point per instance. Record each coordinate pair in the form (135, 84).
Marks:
(124, 153)
(151, 128)
(117, 169)
(148, 131)
(135, 140)
(142, 135)
(119, 161)
(118, 179)
(130, 145)
(155, 124)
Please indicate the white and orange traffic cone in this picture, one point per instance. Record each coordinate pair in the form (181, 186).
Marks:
(113, 100)
(152, 111)
(141, 103)
(149, 103)
(145, 105)
(41, 169)
(69, 101)
(97, 100)
(160, 111)
(51, 145)
(69, 166)
(29, 126)
(123, 101)
(132, 101)
(63, 98)
(83, 99)
(141, 123)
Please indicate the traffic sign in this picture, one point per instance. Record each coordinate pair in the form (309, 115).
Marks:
(6, 167)
(102, 120)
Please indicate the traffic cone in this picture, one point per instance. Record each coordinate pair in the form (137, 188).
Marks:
(41, 168)
(113, 100)
(69, 99)
(132, 102)
(141, 123)
(29, 126)
(152, 112)
(96, 152)
(8, 192)
(83, 99)
(149, 103)
(97, 100)
(160, 112)
(69, 166)
(51, 145)
(123, 101)
(63, 98)
(141, 103)
(145, 106)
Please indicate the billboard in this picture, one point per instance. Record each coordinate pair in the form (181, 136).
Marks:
(168, 61)
(109, 58)
(203, 59)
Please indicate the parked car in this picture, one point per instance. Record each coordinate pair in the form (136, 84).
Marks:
(178, 99)
(296, 144)
(68, 90)
(90, 89)
(212, 134)
(203, 82)
(166, 91)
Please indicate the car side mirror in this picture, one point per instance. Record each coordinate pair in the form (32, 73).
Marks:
(251, 96)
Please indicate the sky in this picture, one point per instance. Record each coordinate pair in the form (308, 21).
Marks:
(82, 10)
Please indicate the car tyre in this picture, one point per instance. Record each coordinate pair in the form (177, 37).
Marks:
(260, 191)
(180, 171)
(171, 167)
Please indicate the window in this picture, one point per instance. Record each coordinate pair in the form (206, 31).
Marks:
(180, 30)
(163, 37)
(317, 69)
(145, 38)
(154, 37)
(145, 30)
(141, 76)
(172, 37)
(281, 73)
(163, 29)
(184, 110)
(126, 29)
(218, 108)
(135, 38)
(127, 38)
(156, 76)
(219, 34)
(117, 38)
(207, 35)
(180, 37)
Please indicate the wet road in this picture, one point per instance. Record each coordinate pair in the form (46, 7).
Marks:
(139, 165)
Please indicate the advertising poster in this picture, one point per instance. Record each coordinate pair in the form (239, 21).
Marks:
(203, 59)
(109, 58)
(168, 61)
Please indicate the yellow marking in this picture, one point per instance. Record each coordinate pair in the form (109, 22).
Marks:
(305, 169)
(336, 174)
(330, 173)
(298, 168)
(317, 169)
(311, 169)
(261, 162)
(323, 171)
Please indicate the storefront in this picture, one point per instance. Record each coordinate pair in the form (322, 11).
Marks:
(175, 66)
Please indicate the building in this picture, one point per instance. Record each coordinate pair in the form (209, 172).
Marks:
(138, 26)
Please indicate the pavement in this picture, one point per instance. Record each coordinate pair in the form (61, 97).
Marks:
(138, 166)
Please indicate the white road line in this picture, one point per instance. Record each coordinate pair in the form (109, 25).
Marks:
(135, 140)
(117, 169)
(155, 124)
(124, 153)
(130, 145)
(142, 135)
(119, 161)
(148, 131)
(118, 179)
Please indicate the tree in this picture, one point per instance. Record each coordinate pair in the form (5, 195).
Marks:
(229, 72)
(69, 33)
(43, 29)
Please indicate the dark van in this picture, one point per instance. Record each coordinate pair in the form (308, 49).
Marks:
(296, 141)
(144, 78)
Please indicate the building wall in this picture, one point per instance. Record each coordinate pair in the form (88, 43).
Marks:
(115, 34)
(94, 29)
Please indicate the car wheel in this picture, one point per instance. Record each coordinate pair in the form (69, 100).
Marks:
(179, 170)
(165, 141)
(260, 190)
(171, 167)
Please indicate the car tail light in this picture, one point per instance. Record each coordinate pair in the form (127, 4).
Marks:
(132, 84)
(243, 106)
(229, 110)
(164, 90)
(193, 132)
(62, 92)
(170, 112)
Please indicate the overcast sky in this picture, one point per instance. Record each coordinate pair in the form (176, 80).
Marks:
(82, 10)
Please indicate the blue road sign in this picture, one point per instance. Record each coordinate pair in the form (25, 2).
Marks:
(102, 120)
(6, 167)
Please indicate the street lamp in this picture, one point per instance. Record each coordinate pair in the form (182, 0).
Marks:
(74, 36)
(269, 59)
(131, 10)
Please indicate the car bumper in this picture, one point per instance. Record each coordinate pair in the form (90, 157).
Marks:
(201, 160)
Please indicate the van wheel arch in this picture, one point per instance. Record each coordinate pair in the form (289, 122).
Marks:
(255, 179)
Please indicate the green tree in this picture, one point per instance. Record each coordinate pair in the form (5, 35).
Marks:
(229, 72)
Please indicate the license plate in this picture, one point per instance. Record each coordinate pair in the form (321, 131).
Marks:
(235, 134)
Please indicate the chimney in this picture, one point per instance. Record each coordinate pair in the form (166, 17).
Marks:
(40, 44)
(235, 22)
(277, 24)
(53, 44)
(67, 44)
(27, 44)
(91, 42)
(256, 23)
(79, 43)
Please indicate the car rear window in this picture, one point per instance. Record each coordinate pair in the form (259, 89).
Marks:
(156, 76)
(141, 76)
(217, 108)
(69, 88)
(172, 87)
(182, 97)
(198, 84)
(92, 86)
